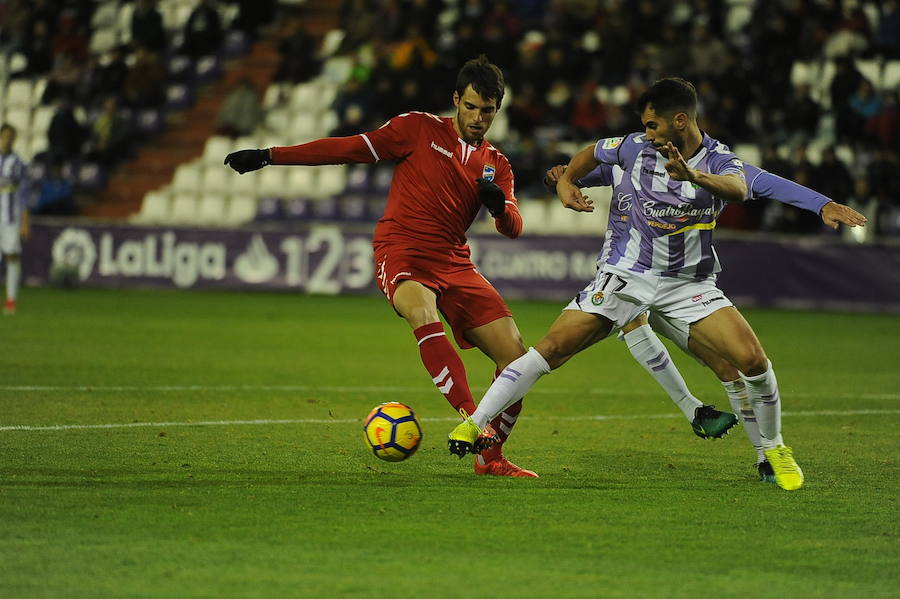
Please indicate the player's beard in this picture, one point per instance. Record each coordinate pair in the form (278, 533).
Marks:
(466, 134)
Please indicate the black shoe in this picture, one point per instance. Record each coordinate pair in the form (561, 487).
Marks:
(711, 423)
(766, 474)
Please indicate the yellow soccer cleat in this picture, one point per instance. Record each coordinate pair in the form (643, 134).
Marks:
(468, 438)
(788, 475)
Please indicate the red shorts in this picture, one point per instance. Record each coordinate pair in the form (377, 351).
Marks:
(465, 298)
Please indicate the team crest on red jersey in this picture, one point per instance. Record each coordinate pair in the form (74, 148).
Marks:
(488, 172)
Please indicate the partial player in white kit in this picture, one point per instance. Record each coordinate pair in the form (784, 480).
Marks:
(664, 263)
(13, 215)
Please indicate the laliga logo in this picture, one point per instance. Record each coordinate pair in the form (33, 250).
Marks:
(156, 256)
(74, 248)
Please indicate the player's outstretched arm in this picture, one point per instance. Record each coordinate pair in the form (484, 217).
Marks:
(244, 161)
(769, 185)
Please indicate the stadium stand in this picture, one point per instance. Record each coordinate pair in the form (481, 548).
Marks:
(321, 69)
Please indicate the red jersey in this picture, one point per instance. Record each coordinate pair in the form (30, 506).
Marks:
(433, 197)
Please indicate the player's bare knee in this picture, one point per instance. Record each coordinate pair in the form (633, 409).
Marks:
(555, 350)
(418, 316)
(754, 361)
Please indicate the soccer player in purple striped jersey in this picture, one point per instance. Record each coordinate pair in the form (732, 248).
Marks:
(760, 184)
(663, 261)
(13, 215)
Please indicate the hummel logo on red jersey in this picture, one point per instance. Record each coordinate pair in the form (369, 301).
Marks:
(443, 151)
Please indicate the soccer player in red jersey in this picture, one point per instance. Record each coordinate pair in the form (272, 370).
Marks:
(445, 171)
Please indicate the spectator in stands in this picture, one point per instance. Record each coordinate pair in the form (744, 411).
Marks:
(253, 14)
(65, 135)
(352, 106)
(241, 112)
(883, 175)
(888, 36)
(298, 55)
(501, 29)
(13, 26)
(864, 104)
(526, 111)
(203, 31)
(732, 115)
(801, 115)
(101, 81)
(793, 219)
(145, 84)
(65, 78)
(884, 127)
(37, 48)
(413, 52)
(706, 53)
(110, 135)
(772, 162)
(844, 84)
(55, 194)
(147, 27)
(588, 113)
(70, 39)
(831, 177)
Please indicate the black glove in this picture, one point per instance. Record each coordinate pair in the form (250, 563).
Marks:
(490, 194)
(244, 161)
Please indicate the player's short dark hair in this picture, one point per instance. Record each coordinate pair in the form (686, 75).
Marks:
(670, 96)
(484, 77)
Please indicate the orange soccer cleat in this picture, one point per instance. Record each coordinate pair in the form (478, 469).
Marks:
(500, 466)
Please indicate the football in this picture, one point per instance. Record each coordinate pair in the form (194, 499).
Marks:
(392, 431)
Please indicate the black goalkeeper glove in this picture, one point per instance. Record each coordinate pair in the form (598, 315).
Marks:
(490, 194)
(244, 161)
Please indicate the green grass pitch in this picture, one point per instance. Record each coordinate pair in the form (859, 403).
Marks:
(209, 445)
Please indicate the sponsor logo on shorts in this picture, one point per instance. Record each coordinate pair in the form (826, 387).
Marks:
(488, 172)
(697, 298)
(597, 298)
(715, 299)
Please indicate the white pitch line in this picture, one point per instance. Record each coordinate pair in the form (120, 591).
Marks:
(377, 389)
(68, 427)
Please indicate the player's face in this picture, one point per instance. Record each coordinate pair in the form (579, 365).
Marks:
(474, 115)
(660, 130)
(7, 138)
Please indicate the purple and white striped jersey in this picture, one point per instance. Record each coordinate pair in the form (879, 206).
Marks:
(669, 227)
(13, 188)
(760, 184)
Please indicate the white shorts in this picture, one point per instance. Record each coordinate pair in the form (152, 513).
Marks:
(10, 242)
(621, 296)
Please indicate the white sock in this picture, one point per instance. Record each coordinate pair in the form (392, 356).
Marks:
(649, 351)
(12, 279)
(512, 384)
(740, 405)
(766, 402)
